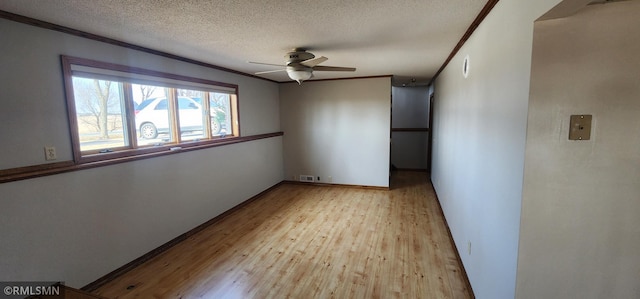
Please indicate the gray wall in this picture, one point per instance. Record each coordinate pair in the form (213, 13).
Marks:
(337, 129)
(410, 109)
(479, 143)
(76, 227)
(580, 230)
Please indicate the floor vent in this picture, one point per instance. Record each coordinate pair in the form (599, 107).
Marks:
(306, 178)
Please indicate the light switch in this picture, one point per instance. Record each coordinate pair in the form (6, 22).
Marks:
(580, 128)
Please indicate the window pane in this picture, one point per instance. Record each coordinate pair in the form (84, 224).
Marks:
(190, 114)
(220, 104)
(100, 113)
(152, 114)
(130, 111)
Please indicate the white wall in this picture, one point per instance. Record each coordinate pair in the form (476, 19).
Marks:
(410, 109)
(76, 227)
(580, 231)
(479, 142)
(337, 128)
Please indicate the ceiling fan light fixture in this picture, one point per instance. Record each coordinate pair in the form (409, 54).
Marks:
(301, 64)
(299, 75)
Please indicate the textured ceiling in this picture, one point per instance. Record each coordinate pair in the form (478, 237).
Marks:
(404, 38)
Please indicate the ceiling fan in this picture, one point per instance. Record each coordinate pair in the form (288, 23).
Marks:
(300, 65)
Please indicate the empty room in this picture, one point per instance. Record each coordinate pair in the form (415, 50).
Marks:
(320, 149)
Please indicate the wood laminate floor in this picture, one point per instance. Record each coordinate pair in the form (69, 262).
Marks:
(304, 241)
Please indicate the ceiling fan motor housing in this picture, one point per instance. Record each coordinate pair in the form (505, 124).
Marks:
(300, 65)
(298, 56)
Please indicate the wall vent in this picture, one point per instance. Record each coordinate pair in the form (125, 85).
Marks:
(306, 178)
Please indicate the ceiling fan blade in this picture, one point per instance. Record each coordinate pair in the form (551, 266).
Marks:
(267, 72)
(266, 63)
(334, 68)
(314, 61)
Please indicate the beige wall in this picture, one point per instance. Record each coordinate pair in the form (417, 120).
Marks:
(76, 227)
(580, 230)
(479, 142)
(338, 129)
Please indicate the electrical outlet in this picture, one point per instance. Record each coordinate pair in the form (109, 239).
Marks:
(469, 247)
(329, 179)
(50, 153)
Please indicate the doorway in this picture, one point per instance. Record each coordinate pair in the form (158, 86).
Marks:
(410, 128)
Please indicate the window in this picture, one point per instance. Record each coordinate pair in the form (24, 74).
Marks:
(117, 111)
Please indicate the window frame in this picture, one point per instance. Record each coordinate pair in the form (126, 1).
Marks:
(133, 149)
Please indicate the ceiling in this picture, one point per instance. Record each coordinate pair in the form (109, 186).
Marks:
(409, 39)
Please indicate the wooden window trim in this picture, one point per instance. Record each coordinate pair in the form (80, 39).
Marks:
(132, 149)
(207, 107)
(174, 118)
(34, 171)
(141, 71)
(235, 104)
